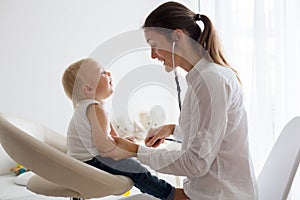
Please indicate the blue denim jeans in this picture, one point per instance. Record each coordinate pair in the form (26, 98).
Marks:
(141, 177)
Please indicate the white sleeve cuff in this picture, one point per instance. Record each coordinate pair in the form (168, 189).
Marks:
(177, 133)
(143, 154)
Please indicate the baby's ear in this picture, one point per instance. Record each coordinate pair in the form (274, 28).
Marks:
(87, 89)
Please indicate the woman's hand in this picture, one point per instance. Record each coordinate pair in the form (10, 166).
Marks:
(157, 136)
(180, 195)
(124, 149)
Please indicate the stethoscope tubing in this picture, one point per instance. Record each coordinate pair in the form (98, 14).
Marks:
(176, 76)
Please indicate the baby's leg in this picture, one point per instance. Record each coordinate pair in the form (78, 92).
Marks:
(141, 177)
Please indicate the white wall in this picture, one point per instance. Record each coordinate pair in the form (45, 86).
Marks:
(39, 39)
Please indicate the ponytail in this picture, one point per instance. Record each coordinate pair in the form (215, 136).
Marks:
(209, 40)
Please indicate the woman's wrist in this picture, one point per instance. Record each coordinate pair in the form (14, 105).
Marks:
(170, 128)
(135, 149)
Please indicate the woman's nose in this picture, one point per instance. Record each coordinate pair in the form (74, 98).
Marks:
(153, 53)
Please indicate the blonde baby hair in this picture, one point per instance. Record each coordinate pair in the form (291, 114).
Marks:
(73, 80)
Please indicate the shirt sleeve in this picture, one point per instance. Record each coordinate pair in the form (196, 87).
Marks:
(177, 134)
(206, 118)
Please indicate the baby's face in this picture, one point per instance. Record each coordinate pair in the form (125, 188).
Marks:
(100, 80)
(105, 85)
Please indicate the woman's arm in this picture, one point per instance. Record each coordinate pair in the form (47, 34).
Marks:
(203, 124)
(99, 124)
(124, 149)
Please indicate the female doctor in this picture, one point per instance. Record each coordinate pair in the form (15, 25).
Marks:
(212, 126)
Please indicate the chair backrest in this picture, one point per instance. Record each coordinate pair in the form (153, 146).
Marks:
(55, 166)
(276, 177)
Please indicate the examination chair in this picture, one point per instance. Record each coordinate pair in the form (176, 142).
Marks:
(277, 175)
(57, 174)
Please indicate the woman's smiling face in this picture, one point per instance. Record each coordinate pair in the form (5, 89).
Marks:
(161, 48)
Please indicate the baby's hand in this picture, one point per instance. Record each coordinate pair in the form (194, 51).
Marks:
(131, 139)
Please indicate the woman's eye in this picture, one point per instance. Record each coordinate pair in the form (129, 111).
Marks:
(152, 45)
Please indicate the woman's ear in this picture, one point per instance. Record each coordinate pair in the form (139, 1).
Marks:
(177, 35)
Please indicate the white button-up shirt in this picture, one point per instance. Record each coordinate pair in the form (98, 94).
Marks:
(214, 155)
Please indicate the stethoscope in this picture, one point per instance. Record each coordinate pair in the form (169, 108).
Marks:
(177, 84)
(176, 75)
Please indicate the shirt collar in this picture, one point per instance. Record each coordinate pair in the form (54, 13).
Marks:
(193, 73)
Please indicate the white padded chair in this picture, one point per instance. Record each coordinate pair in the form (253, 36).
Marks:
(276, 177)
(58, 175)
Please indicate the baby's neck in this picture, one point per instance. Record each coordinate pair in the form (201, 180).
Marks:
(100, 100)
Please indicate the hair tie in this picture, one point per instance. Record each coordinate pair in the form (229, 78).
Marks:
(197, 17)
